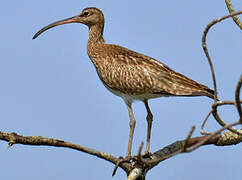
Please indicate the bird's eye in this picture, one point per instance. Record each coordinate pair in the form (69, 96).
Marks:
(86, 13)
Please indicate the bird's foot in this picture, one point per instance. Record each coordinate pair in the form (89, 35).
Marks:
(121, 160)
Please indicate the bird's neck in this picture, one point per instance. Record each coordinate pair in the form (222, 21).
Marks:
(95, 43)
(96, 35)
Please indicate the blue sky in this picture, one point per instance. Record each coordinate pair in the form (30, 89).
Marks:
(49, 87)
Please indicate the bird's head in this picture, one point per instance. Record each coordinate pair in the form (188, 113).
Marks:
(89, 16)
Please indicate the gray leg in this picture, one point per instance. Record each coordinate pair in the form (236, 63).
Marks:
(149, 119)
(132, 127)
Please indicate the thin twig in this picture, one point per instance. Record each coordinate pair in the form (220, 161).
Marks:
(214, 108)
(140, 159)
(140, 148)
(206, 50)
(193, 143)
(217, 117)
(192, 148)
(188, 138)
(173, 149)
(214, 112)
(176, 148)
(203, 124)
(118, 164)
(231, 10)
(237, 98)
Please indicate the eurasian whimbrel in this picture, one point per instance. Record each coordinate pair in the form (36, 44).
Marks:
(128, 74)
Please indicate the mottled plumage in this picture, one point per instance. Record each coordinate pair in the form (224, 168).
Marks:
(135, 74)
(128, 74)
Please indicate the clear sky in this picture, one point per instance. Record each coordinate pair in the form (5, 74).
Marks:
(49, 87)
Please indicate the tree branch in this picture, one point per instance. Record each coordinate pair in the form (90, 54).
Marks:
(136, 168)
(237, 98)
(204, 45)
(14, 138)
(231, 10)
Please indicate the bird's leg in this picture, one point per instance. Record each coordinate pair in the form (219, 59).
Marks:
(149, 119)
(132, 127)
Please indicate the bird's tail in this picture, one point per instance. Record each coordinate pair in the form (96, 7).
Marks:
(210, 93)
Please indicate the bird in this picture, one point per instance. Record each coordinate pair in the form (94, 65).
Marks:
(129, 74)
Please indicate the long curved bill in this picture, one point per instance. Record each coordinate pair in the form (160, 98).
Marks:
(73, 19)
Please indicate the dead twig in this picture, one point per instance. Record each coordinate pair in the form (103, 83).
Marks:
(188, 138)
(217, 117)
(204, 45)
(237, 98)
(231, 10)
(203, 125)
(191, 144)
(192, 148)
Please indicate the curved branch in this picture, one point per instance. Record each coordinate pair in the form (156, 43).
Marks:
(203, 124)
(192, 148)
(217, 117)
(231, 10)
(204, 45)
(237, 98)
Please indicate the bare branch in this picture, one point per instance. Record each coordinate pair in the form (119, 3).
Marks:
(139, 157)
(214, 107)
(237, 98)
(204, 45)
(138, 167)
(178, 147)
(188, 138)
(190, 144)
(14, 138)
(217, 117)
(203, 125)
(231, 10)
(211, 136)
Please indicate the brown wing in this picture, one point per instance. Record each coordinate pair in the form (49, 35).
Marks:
(133, 73)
